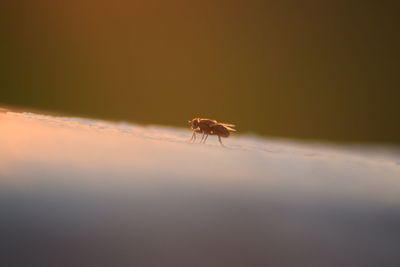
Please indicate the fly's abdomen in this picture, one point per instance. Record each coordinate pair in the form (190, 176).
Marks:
(220, 130)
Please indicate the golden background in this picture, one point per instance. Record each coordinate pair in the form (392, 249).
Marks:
(324, 70)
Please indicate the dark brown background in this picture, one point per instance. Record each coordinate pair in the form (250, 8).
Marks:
(306, 69)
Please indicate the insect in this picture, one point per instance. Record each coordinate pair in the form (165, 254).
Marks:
(210, 127)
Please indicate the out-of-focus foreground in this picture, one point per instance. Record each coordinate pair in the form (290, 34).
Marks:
(80, 192)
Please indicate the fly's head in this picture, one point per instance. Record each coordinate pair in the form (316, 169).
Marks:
(194, 123)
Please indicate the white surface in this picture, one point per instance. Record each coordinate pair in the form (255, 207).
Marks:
(255, 202)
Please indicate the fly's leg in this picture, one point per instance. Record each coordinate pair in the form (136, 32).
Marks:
(205, 139)
(220, 141)
(193, 138)
(202, 138)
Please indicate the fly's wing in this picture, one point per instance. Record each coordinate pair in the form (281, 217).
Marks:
(229, 126)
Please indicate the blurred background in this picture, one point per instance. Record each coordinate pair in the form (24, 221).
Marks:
(313, 69)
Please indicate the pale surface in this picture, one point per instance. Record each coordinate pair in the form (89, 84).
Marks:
(80, 192)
